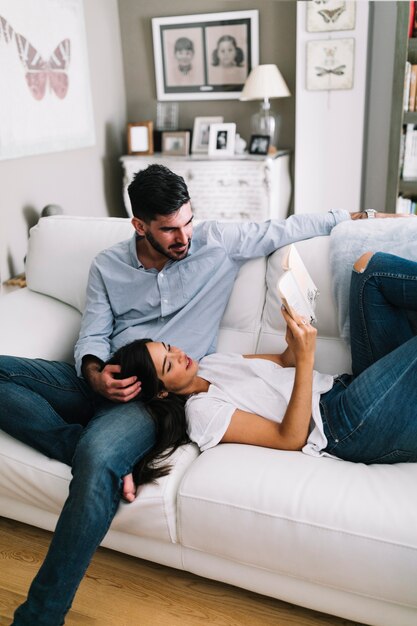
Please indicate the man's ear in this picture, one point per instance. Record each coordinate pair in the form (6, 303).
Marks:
(162, 394)
(138, 225)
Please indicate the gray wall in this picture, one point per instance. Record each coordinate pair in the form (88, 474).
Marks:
(380, 78)
(85, 181)
(277, 27)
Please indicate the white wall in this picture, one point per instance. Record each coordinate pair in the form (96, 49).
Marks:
(86, 181)
(330, 127)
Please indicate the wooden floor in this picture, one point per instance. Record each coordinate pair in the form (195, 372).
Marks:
(120, 590)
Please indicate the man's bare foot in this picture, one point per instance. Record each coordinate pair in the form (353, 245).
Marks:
(129, 488)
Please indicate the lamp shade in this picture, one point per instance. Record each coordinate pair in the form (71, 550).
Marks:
(264, 81)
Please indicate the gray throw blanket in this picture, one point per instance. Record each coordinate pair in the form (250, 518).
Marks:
(350, 239)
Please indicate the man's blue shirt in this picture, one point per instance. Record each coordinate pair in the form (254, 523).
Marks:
(183, 303)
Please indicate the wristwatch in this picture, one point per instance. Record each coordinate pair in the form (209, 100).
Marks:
(370, 213)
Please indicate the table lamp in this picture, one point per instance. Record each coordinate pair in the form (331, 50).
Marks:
(264, 82)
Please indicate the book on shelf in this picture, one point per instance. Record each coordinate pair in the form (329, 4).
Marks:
(407, 76)
(296, 288)
(410, 153)
(411, 19)
(406, 206)
(413, 89)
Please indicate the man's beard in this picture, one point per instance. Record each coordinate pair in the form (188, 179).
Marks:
(167, 252)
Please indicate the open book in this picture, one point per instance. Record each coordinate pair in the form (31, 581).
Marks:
(296, 287)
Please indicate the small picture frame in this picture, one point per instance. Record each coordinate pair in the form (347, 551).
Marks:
(201, 133)
(140, 138)
(222, 140)
(176, 143)
(259, 144)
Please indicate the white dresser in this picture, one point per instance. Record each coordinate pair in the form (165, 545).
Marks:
(245, 187)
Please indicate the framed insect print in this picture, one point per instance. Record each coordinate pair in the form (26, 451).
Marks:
(327, 15)
(47, 105)
(330, 64)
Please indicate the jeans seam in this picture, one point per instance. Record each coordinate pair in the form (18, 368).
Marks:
(42, 382)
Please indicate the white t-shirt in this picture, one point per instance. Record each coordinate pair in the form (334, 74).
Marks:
(255, 385)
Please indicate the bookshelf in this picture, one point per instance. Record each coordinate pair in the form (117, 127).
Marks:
(405, 50)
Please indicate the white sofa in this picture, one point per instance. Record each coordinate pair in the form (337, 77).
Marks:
(325, 534)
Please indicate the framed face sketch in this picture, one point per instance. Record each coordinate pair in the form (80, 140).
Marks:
(327, 15)
(204, 57)
(330, 64)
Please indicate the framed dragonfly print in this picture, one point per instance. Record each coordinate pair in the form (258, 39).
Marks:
(330, 64)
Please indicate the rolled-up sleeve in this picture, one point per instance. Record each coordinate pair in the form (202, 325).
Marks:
(254, 239)
(97, 322)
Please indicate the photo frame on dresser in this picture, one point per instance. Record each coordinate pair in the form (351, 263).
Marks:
(140, 138)
(222, 140)
(204, 56)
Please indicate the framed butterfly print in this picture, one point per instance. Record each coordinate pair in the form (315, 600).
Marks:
(43, 61)
(327, 15)
(330, 64)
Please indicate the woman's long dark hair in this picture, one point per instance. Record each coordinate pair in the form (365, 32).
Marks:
(167, 412)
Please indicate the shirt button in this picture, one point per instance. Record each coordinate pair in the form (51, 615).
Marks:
(165, 301)
(161, 275)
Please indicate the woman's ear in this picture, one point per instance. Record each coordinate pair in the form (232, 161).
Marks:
(162, 394)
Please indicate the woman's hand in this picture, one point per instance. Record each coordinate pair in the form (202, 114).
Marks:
(300, 337)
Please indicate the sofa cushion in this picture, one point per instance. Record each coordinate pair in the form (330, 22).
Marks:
(61, 249)
(29, 477)
(37, 326)
(322, 520)
(332, 354)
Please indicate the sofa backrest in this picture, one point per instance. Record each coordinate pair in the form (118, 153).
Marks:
(61, 249)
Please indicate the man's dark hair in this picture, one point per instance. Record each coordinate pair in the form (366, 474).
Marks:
(157, 191)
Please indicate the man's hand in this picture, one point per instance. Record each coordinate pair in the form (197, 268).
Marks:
(361, 215)
(103, 381)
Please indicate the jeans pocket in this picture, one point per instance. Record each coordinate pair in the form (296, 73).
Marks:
(395, 456)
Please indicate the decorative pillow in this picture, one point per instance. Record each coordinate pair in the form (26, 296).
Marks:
(350, 239)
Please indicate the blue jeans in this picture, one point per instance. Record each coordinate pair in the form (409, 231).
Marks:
(371, 415)
(45, 405)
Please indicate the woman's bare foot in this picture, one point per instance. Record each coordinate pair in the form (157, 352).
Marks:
(129, 488)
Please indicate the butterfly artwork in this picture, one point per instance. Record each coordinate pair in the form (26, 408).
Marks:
(332, 15)
(40, 72)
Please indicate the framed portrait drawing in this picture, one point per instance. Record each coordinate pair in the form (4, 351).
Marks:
(176, 143)
(330, 64)
(201, 133)
(222, 140)
(206, 56)
(140, 138)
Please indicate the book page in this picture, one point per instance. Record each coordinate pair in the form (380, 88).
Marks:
(293, 299)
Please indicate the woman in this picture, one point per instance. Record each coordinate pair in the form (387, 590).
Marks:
(279, 401)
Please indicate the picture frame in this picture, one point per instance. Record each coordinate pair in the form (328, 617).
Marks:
(334, 15)
(140, 137)
(201, 133)
(205, 56)
(176, 143)
(330, 64)
(222, 140)
(259, 144)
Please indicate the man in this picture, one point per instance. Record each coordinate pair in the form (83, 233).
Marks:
(163, 283)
